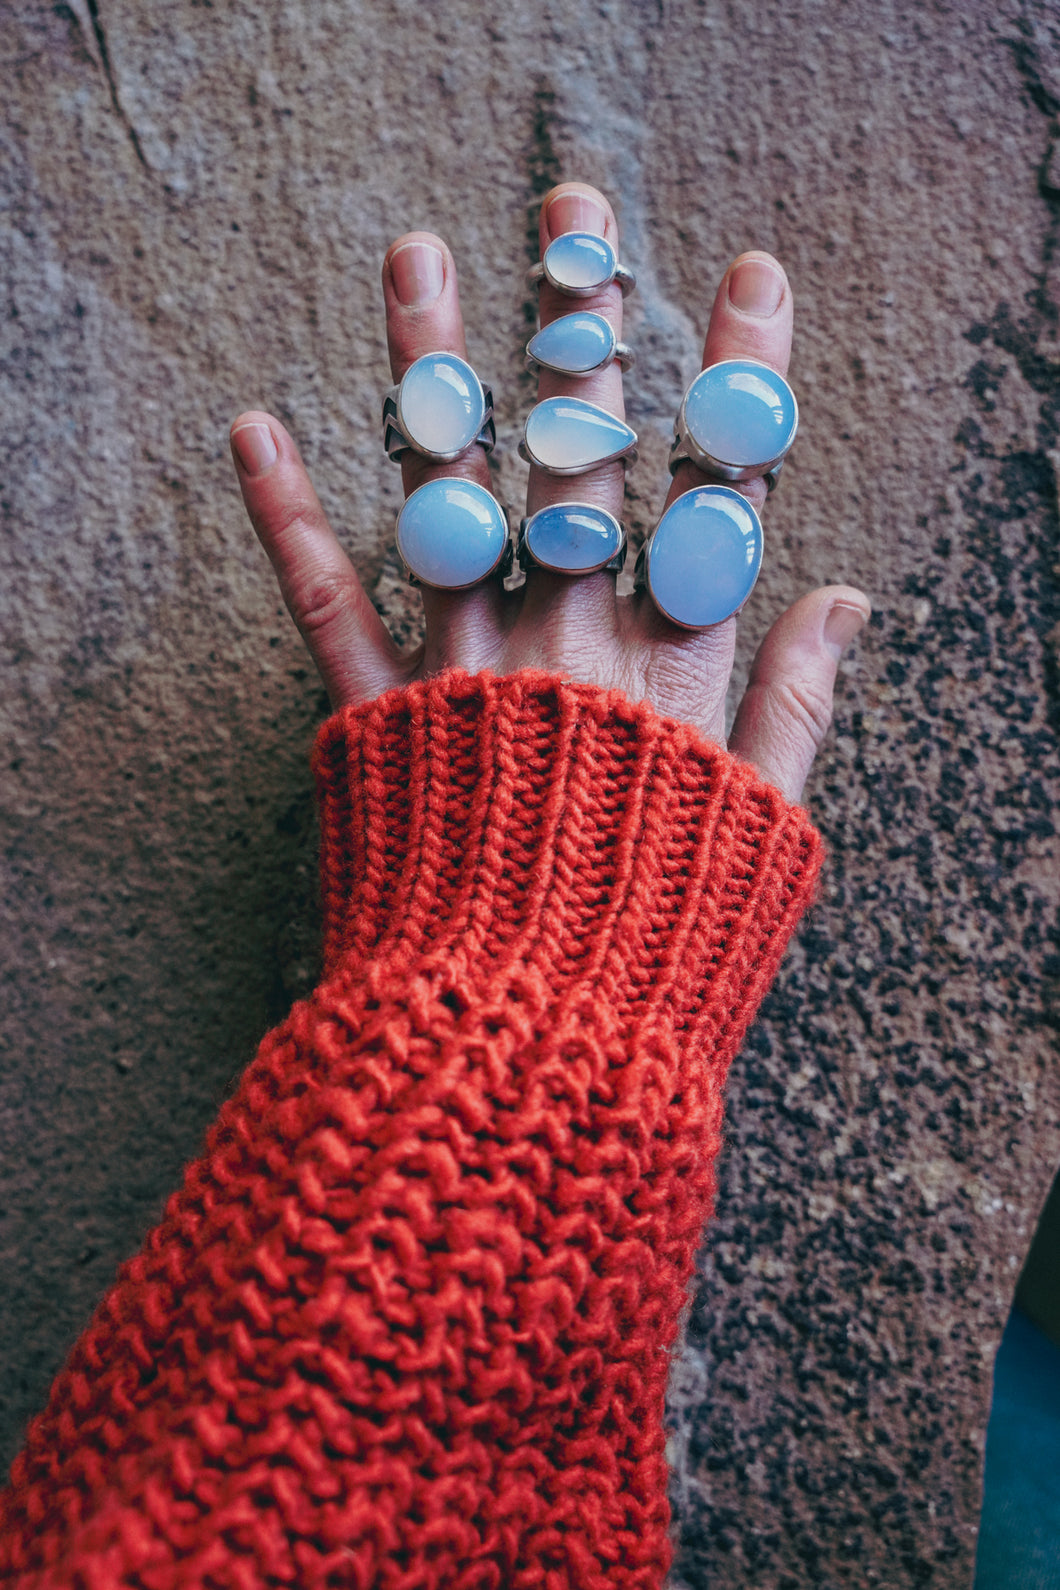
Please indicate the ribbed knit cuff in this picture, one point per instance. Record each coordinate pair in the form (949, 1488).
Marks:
(526, 819)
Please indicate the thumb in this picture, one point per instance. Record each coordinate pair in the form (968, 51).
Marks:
(787, 707)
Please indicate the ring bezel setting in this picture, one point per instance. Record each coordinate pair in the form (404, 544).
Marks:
(580, 264)
(737, 421)
(438, 409)
(451, 534)
(567, 435)
(700, 563)
(577, 344)
(571, 538)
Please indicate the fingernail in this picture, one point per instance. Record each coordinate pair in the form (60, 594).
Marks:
(756, 288)
(575, 212)
(255, 447)
(842, 624)
(417, 271)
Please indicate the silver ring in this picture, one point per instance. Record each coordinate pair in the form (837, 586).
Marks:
(700, 563)
(577, 344)
(452, 534)
(580, 264)
(439, 409)
(566, 436)
(737, 421)
(571, 538)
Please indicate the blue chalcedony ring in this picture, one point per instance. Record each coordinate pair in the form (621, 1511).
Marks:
(737, 420)
(701, 561)
(566, 435)
(577, 344)
(452, 533)
(571, 538)
(580, 264)
(439, 408)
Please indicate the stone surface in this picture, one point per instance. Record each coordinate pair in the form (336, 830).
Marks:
(196, 199)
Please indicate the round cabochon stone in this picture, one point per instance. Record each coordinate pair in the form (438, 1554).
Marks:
(704, 557)
(741, 414)
(451, 533)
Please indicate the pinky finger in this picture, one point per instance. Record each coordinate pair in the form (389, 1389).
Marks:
(347, 639)
(787, 707)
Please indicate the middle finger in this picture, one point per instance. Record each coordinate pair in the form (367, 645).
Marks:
(563, 602)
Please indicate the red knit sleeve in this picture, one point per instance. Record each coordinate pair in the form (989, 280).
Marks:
(407, 1321)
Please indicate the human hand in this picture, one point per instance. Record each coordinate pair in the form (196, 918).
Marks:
(576, 627)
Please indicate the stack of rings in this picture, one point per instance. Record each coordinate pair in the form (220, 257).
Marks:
(737, 422)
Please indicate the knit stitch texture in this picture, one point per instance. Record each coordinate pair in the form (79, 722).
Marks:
(407, 1323)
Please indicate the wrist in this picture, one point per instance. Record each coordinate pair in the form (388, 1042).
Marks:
(487, 821)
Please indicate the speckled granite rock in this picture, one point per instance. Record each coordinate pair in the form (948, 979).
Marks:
(197, 199)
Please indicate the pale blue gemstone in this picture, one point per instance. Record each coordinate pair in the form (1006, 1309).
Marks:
(573, 537)
(741, 414)
(579, 262)
(704, 556)
(573, 344)
(566, 435)
(441, 408)
(451, 533)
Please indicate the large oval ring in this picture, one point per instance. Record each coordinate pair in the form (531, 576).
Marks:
(580, 264)
(451, 534)
(566, 435)
(577, 344)
(438, 408)
(701, 561)
(571, 538)
(737, 420)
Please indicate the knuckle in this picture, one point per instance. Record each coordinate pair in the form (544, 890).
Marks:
(318, 603)
(807, 706)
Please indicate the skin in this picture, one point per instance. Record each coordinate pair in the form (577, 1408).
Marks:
(575, 627)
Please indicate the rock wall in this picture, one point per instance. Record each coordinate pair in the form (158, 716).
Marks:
(197, 197)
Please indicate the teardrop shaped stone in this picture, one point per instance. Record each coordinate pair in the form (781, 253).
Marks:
(573, 537)
(741, 414)
(579, 262)
(451, 533)
(704, 556)
(573, 344)
(441, 407)
(565, 435)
